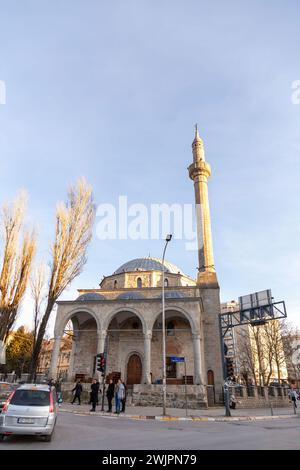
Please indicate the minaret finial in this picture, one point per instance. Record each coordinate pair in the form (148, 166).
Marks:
(198, 150)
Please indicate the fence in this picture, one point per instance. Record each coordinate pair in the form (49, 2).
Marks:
(252, 396)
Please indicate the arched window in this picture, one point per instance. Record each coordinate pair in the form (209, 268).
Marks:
(139, 282)
(170, 328)
(115, 284)
(166, 282)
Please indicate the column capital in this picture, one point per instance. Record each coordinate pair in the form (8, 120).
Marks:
(196, 336)
(101, 333)
(148, 334)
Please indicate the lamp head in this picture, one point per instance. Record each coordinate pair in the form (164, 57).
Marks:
(169, 237)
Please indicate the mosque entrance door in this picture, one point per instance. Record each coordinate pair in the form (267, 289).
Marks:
(134, 370)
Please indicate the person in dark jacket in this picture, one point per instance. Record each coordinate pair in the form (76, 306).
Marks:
(94, 394)
(58, 391)
(98, 389)
(110, 394)
(78, 391)
(123, 401)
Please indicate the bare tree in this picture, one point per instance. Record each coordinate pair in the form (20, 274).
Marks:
(37, 288)
(291, 346)
(74, 222)
(274, 345)
(248, 364)
(17, 255)
(262, 351)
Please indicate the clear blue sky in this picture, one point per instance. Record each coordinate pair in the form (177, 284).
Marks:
(111, 90)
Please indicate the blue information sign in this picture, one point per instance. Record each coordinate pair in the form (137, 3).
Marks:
(177, 359)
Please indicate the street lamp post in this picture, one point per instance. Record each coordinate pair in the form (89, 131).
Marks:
(168, 239)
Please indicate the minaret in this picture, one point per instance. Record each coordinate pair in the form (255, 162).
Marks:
(199, 171)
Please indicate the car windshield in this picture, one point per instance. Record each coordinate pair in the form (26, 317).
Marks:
(31, 398)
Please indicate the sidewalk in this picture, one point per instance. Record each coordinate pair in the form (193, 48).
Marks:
(176, 414)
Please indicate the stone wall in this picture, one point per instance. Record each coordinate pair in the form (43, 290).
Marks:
(151, 395)
(85, 350)
(179, 344)
(212, 336)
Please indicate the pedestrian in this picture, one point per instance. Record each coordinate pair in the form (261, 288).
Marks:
(123, 401)
(232, 403)
(110, 394)
(58, 391)
(98, 389)
(119, 395)
(94, 394)
(78, 391)
(294, 397)
(51, 383)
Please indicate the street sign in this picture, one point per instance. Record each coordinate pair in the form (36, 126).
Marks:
(177, 359)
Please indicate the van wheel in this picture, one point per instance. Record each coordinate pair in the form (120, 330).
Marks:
(2, 437)
(48, 438)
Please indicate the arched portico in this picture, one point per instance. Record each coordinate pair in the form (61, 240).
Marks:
(85, 341)
(182, 339)
(125, 337)
(134, 312)
(63, 318)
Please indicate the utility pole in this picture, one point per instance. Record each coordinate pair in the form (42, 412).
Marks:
(164, 381)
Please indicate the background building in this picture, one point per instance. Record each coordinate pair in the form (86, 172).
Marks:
(255, 352)
(63, 358)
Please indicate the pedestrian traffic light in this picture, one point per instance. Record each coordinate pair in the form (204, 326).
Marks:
(230, 367)
(100, 362)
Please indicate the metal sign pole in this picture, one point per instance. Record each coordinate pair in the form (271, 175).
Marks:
(185, 390)
(104, 373)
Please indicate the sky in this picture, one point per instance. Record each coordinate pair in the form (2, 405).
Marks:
(112, 89)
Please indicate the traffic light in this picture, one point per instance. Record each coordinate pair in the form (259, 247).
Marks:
(103, 362)
(100, 362)
(229, 367)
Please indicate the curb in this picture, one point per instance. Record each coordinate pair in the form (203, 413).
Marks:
(180, 418)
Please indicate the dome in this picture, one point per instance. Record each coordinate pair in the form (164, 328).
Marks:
(148, 264)
(90, 296)
(130, 295)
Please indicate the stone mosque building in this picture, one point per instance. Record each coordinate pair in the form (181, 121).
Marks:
(123, 318)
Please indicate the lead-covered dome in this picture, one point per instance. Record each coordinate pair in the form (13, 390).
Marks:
(90, 296)
(148, 264)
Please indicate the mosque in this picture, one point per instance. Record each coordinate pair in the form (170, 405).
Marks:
(123, 318)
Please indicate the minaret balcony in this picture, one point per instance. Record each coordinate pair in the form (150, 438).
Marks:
(200, 168)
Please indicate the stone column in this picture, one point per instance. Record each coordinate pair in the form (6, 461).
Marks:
(54, 357)
(71, 363)
(197, 359)
(101, 337)
(147, 358)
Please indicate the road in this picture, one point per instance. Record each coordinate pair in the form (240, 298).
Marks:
(100, 433)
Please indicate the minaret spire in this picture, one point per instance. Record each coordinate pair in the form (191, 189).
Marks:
(199, 172)
(197, 146)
